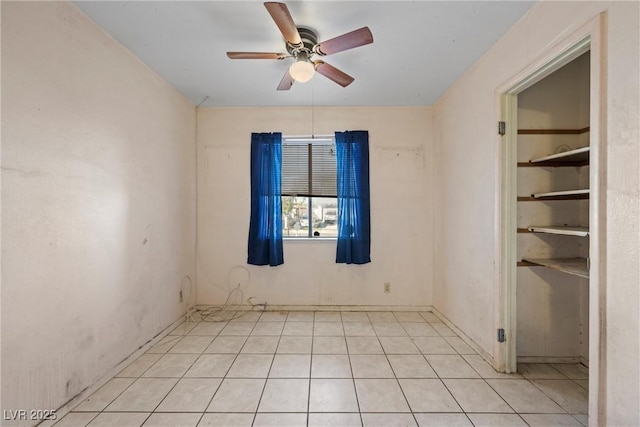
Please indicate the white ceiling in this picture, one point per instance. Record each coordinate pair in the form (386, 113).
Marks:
(420, 47)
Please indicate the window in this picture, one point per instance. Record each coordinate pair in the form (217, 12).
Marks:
(309, 190)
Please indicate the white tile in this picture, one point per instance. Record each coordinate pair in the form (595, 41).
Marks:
(354, 316)
(280, 420)
(440, 420)
(545, 420)
(76, 419)
(171, 365)
(247, 316)
(524, 397)
(381, 317)
(173, 420)
(143, 395)
(300, 316)
(459, 345)
(484, 369)
(370, 366)
(583, 383)
(274, 316)
(364, 345)
(211, 365)
(184, 328)
(226, 344)
(359, 329)
(476, 396)
(268, 328)
(451, 366)
(539, 371)
(298, 328)
(389, 329)
(238, 328)
(250, 366)
(237, 395)
(332, 395)
(443, 330)
(120, 419)
(190, 395)
(328, 329)
(192, 344)
(208, 328)
(411, 366)
(420, 330)
(428, 395)
(334, 420)
(433, 345)
(330, 366)
(285, 395)
(140, 365)
(380, 395)
(329, 345)
(398, 345)
(496, 420)
(165, 344)
(430, 317)
(573, 371)
(261, 344)
(105, 395)
(294, 345)
(408, 316)
(582, 419)
(291, 366)
(388, 420)
(328, 316)
(226, 420)
(569, 395)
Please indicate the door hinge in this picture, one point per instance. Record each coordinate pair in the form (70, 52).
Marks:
(501, 337)
(502, 128)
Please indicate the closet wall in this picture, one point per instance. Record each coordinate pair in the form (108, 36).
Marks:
(552, 301)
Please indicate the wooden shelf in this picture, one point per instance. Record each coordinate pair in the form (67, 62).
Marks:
(577, 157)
(574, 266)
(553, 131)
(562, 195)
(562, 230)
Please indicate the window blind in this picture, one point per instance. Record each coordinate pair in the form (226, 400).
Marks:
(309, 170)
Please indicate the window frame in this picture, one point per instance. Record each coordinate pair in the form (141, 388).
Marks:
(309, 141)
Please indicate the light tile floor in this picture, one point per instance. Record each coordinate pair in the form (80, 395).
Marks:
(329, 369)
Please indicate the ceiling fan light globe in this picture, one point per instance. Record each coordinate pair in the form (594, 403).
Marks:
(302, 71)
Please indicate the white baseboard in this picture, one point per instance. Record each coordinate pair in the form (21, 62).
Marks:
(275, 307)
(548, 359)
(484, 354)
(80, 397)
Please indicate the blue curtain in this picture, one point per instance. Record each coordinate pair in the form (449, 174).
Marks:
(354, 233)
(265, 227)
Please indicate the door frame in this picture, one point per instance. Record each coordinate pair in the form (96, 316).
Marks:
(591, 37)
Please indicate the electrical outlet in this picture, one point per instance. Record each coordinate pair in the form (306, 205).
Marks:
(387, 288)
(180, 296)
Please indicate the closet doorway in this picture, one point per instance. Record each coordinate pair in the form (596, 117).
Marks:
(549, 294)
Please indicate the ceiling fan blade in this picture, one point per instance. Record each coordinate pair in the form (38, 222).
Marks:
(280, 14)
(332, 73)
(256, 55)
(286, 82)
(346, 41)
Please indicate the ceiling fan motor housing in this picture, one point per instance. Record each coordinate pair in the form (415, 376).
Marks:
(309, 40)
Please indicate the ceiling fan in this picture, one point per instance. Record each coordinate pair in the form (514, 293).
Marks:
(302, 44)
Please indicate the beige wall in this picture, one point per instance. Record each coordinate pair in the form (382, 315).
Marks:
(401, 215)
(465, 230)
(98, 197)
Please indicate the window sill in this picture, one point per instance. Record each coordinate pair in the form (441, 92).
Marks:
(310, 239)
